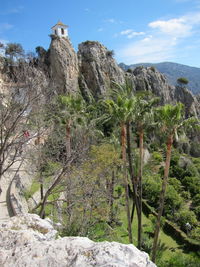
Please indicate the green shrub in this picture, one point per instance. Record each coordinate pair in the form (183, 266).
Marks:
(186, 216)
(195, 149)
(173, 202)
(151, 189)
(197, 212)
(35, 186)
(192, 184)
(181, 260)
(153, 68)
(196, 200)
(129, 71)
(158, 157)
(110, 53)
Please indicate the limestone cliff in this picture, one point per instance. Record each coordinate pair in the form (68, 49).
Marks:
(63, 66)
(149, 79)
(97, 68)
(27, 240)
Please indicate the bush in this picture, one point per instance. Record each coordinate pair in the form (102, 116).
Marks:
(195, 149)
(129, 70)
(192, 184)
(181, 260)
(197, 212)
(196, 200)
(173, 201)
(153, 68)
(182, 80)
(151, 189)
(110, 53)
(186, 216)
(158, 157)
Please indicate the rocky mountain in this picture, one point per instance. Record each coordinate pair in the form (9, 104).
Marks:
(173, 71)
(27, 240)
(63, 66)
(97, 68)
(93, 70)
(149, 79)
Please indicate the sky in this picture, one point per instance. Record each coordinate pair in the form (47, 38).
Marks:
(138, 31)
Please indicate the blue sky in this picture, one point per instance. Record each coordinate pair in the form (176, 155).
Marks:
(137, 31)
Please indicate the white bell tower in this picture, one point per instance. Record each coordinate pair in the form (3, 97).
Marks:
(60, 29)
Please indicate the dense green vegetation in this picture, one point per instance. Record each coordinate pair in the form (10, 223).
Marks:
(95, 177)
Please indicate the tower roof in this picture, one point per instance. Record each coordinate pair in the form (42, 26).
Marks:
(59, 23)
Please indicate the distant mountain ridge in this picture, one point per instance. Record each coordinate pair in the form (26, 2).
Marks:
(173, 71)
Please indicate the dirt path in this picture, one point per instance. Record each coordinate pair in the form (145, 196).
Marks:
(5, 209)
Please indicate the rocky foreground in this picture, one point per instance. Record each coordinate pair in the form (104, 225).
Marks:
(27, 240)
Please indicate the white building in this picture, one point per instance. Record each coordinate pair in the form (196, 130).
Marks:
(60, 29)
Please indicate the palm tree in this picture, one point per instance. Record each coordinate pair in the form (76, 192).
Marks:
(71, 111)
(121, 109)
(171, 119)
(143, 118)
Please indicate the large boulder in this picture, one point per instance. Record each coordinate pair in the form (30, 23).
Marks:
(27, 240)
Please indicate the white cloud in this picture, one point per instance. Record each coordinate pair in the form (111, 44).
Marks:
(175, 27)
(149, 49)
(13, 10)
(163, 41)
(125, 32)
(110, 20)
(131, 33)
(5, 27)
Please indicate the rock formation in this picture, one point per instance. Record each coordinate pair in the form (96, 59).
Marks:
(97, 68)
(63, 66)
(149, 79)
(28, 240)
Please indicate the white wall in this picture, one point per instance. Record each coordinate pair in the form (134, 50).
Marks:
(58, 30)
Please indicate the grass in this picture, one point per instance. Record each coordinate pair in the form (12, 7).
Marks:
(35, 186)
(119, 233)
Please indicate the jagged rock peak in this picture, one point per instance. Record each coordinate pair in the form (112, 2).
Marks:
(27, 240)
(63, 66)
(98, 68)
(150, 79)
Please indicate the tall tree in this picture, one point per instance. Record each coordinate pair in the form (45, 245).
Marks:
(71, 109)
(121, 108)
(14, 50)
(143, 119)
(170, 119)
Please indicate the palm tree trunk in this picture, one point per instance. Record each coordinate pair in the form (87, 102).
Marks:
(141, 139)
(162, 196)
(111, 197)
(68, 139)
(123, 143)
(133, 178)
(132, 212)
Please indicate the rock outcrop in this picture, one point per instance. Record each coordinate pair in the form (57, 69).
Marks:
(63, 66)
(192, 105)
(149, 79)
(28, 240)
(97, 68)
